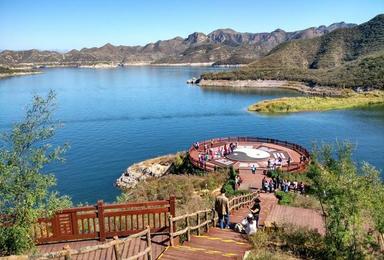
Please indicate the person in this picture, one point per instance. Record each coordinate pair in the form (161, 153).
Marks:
(253, 169)
(277, 183)
(289, 162)
(255, 210)
(271, 186)
(280, 160)
(269, 163)
(237, 182)
(222, 209)
(295, 186)
(302, 187)
(264, 184)
(247, 225)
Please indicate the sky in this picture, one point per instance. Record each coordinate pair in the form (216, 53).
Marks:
(69, 24)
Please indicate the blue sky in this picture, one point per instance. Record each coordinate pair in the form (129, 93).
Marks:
(64, 25)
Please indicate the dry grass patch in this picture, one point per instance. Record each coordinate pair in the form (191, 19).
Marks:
(302, 104)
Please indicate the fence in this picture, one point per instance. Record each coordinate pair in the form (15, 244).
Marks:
(211, 167)
(104, 221)
(203, 218)
(117, 243)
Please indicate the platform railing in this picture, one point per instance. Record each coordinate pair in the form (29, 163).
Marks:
(211, 167)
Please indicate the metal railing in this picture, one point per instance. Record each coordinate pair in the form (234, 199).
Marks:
(211, 167)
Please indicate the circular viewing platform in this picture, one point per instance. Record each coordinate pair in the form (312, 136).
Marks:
(248, 152)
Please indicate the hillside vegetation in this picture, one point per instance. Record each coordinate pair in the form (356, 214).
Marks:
(299, 104)
(348, 57)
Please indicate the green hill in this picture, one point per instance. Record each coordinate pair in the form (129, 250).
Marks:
(349, 57)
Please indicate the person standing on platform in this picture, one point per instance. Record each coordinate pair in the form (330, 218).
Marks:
(253, 169)
(222, 209)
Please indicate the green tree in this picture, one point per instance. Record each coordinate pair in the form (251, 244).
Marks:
(351, 198)
(25, 188)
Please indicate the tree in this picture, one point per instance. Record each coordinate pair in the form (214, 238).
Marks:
(25, 188)
(351, 199)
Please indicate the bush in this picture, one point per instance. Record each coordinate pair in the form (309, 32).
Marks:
(286, 243)
(285, 198)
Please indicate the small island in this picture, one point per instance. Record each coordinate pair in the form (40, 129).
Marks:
(316, 103)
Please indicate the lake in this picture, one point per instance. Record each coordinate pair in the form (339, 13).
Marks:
(115, 117)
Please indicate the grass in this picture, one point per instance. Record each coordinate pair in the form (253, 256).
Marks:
(287, 243)
(192, 192)
(302, 104)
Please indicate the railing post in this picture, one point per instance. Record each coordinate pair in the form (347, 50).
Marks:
(149, 243)
(75, 225)
(118, 256)
(188, 230)
(172, 205)
(67, 255)
(213, 218)
(171, 229)
(206, 220)
(198, 224)
(100, 215)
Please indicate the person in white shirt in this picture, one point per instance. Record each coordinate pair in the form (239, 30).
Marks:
(247, 225)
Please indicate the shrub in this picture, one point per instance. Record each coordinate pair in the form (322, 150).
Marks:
(285, 198)
(287, 243)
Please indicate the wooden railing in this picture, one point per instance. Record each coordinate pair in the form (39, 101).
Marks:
(203, 218)
(104, 221)
(210, 167)
(116, 243)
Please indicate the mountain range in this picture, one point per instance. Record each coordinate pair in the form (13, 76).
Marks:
(222, 46)
(348, 57)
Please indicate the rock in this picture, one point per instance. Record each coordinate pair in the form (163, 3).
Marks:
(156, 167)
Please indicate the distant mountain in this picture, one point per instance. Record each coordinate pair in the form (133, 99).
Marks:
(221, 46)
(347, 57)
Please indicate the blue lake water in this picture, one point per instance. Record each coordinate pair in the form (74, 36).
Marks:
(113, 118)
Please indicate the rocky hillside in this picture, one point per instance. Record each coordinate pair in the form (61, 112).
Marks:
(348, 57)
(220, 46)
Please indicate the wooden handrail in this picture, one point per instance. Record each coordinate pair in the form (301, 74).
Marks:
(235, 203)
(67, 252)
(101, 221)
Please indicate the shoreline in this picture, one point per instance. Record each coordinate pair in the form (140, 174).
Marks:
(14, 74)
(277, 84)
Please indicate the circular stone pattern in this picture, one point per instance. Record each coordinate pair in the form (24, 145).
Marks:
(252, 152)
(248, 154)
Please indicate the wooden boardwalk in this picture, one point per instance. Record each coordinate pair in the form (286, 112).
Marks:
(216, 243)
